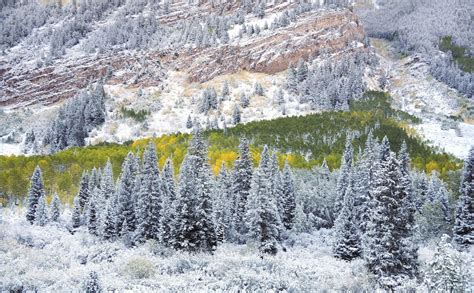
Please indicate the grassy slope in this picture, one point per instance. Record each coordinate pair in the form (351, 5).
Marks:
(304, 141)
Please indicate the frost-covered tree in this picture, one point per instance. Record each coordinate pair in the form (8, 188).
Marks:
(447, 271)
(464, 223)
(347, 243)
(189, 122)
(35, 192)
(109, 229)
(92, 217)
(76, 213)
(344, 172)
(387, 246)
(262, 217)
(236, 117)
(125, 196)
(301, 70)
(221, 206)
(149, 197)
(225, 89)
(258, 89)
(93, 283)
(55, 209)
(41, 214)
(244, 100)
(291, 80)
(241, 184)
(84, 192)
(168, 198)
(289, 197)
(107, 185)
(279, 97)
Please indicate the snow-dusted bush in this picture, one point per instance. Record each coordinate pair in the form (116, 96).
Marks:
(139, 268)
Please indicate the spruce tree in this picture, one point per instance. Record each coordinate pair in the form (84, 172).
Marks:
(262, 217)
(41, 215)
(236, 117)
(347, 244)
(93, 283)
(289, 197)
(76, 213)
(168, 198)
(225, 89)
(344, 173)
(464, 223)
(84, 192)
(149, 197)
(125, 196)
(221, 204)
(92, 217)
(107, 185)
(55, 208)
(241, 184)
(35, 192)
(109, 230)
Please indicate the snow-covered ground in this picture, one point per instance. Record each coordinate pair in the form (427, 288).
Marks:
(50, 259)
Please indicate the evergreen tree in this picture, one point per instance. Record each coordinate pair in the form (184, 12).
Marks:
(149, 201)
(93, 284)
(236, 118)
(35, 192)
(126, 208)
(109, 225)
(55, 208)
(464, 223)
(225, 89)
(301, 71)
(262, 218)
(168, 198)
(289, 198)
(76, 213)
(107, 185)
(388, 246)
(244, 100)
(41, 215)
(344, 173)
(347, 244)
(92, 217)
(221, 204)
(84, 192)
(446, 272)
(291, 80)
(189, 122)
(258, 89)
(241, 184)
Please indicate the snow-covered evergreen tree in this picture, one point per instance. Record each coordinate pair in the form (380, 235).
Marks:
(344, 173)
(92, 217)
(93, 283)
(236, 117)
(258, 89)
(221, 204)
(55, 209)
(244, 100)
(447, 271)
(464, 223)
(109, 229)
(262, 217)
(189, 122)
(107, 185)
(125, 196)
(149, 197)
(347, 244)
(76, 213)
(84, 192)
(35, 192)
(41, 215)
(225, 89)
(289, 197)
(168, 198)
(241, 184)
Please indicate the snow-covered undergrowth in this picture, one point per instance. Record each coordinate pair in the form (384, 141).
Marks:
(51, 259)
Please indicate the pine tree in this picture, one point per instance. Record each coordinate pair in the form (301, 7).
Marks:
(168, 198)
(446, 272)
(280, 97)
(236, 118)
(244, 100)
(221, 204)
(55, 208)
(93, 284)
(149, 200)
(258, 89)
(241, 184)
(92, 217)
(76, 213)
(301, 71)
(107, 185)
(84, 192)
(344, 173)
(289, 198)
(464, 223)
(109, 225)
(41, 215)
(35, 192)
(347, 244)
(291, 80)
(189, 122)
(225, 89)
(388, 247)
(262, 218)
(126, 208)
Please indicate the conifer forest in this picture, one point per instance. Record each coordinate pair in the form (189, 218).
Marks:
(236, 146)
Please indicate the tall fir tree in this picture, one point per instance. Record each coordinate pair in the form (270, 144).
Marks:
(241, 184)
(76, 213)
(92, 217)
(221, 204)
(93, 283)
(149, 197)
(109, 230)
(168, 198)
(347, 244)
(464, 223)
(289, 197)
(41, 215)
(84, 192)
(125, 196)
(344, 173)
(35, 192)
(262, 217)
(55, 208)
(107, 184)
